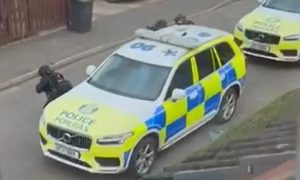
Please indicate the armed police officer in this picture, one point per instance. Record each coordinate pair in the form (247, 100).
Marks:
(181, 19)
(159, 24)
(52, 83)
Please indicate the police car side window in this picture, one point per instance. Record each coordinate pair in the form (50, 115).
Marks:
(225, 52)
(205, 63)
(182, 78)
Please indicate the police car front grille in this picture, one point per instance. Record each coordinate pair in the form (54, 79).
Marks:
(73, 139)
(262, 37)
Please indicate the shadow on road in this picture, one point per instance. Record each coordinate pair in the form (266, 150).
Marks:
(273, 64)
(79, 174)
(124, 1)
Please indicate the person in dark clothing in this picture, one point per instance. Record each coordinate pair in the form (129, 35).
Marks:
(161, 23)
(181, 19)
(53, 84)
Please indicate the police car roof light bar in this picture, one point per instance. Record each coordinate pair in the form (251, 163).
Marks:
(167, 38)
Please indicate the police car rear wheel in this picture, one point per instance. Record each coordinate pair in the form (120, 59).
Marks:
(227, 107)
(143, 157)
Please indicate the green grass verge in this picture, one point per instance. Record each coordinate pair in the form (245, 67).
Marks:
(286, 106)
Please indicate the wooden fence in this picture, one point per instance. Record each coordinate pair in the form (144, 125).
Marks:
(22, 18)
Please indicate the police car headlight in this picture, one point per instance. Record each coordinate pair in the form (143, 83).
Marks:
(293, 37)
(114, 139)
(240, 27)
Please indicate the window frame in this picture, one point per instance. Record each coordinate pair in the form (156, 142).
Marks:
(216, 61)
(218, 55)
(189, 60)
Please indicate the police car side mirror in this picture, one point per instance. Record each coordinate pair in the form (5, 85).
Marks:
(177, 94)
(90, 70)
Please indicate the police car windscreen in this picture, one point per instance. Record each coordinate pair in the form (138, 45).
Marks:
(127, 77)
(284, 5)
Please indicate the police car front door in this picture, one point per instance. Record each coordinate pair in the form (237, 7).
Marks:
(176, 111)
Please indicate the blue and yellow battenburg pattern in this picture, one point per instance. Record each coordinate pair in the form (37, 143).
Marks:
(201, 99)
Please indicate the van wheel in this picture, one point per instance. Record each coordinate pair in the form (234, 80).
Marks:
(143, 157)
(227, 107)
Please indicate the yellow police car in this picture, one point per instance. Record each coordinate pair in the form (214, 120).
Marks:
(271, 31)
(145, 96)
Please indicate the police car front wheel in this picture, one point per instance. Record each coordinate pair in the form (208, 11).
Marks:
(227, 107)
(143, 157)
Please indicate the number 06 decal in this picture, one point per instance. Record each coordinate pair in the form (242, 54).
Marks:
(142, 46)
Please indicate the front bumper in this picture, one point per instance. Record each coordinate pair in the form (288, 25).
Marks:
(276, 52)
(87, 159)
(90, 170)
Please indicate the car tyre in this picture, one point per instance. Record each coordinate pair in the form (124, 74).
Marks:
(143, 157)
(227, 107)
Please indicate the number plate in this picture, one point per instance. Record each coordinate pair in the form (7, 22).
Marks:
(67, 151)
(260, 46)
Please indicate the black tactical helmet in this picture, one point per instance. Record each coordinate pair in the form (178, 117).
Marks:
(180, 18)
(45, 70)
(161, 23)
